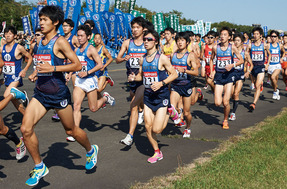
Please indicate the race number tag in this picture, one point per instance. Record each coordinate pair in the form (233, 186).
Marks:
(9, 68)
(135, 60)
(275, 58)
(257, 56)
(181, 76)
(149, 78)
(223, 61)
(285, 59)
(83, 63)
(41, 58)
(240, 67)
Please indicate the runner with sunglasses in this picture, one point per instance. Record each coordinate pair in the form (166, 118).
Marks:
(153, 68)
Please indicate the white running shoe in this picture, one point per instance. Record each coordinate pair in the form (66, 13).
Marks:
(21, 150)
(232, 117)
(70, 139)
(252, 87)
(110, 100)
(274, 97)
(186, 133)
(127, 141)
(141, 117)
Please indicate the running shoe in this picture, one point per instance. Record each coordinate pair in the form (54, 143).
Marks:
(252, 107)
(268, 82)
(55, 117)
(25, 102)
(225, 125)
(261, 88)
(206, 86)
(36, 174)
(103, 106)
(110, 80)
(200, 96)
(274, 97)
(286, 88)
(186, 133)
(17, 94)
(156, 157)
(141, 117)
(181, 124)
(70, 139)
(92, 159)
(127, 141)
(173, 114)
(110, 100)
(278, 96)
(232, 117)
(20, 150)
(252, 87)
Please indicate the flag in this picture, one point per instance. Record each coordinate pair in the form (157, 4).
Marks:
(26, 25)
(97, 18)
(118, 4)
(39, 7)
(90, 5)
(87, 13)
(104, 5)
(53, 2)
(132, 5)
(73, 12)
(82, 20)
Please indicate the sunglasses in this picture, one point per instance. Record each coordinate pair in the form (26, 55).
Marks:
(37, 35)
(148, 39)
(210, 37)
(274, 36)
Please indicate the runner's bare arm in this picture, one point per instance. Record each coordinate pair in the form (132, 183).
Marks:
(191, 61)
(238, 55)
(124, 49)
(93, 54)
(213, 55)
(22, 51)
(282, 53)
(75, 41)
(109, 56)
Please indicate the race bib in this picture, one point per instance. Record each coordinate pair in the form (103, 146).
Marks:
(135, 60)
(257, 56)
(83, 63)
(285, 59)
(240, 67)
(181, 76)
(275, 58)
(223, 61)
(9, 68)
(149, 78)
(40, 58)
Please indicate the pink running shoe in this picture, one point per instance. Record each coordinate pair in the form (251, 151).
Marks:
(200, 96)
(156, 157)
(173, 114)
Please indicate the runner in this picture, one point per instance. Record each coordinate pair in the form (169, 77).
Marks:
(8, 132)
(153, 68)
(68, 27)
(284, 64)
(86, 82)
(257, 51)
(35, 45)
(206, 55)
(92, 25)
(277, 52)
(239, 72)
(51, 92)
(134, 49)
(224, 76)
(12, 55)
(170, 46)
(185, 65)
(103, 77)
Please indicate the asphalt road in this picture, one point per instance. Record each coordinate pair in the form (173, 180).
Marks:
(119, 166)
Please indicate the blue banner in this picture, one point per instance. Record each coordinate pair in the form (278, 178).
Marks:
(87, 13)
(105, 21)
(39, 7)
(73, 12)
(90, 5)
(82, 20)
(53, 2)
(26, 25)
(128, 20)
(97, 17)
(64, 4)
(265, 29)
(33, 15)
(96, 5)
(104, 5)
(113, 29)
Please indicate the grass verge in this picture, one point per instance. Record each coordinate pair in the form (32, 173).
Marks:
(255, 159)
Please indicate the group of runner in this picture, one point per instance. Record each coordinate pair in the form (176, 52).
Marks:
(161, 74)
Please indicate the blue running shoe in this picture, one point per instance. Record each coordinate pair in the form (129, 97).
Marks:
(92, 160)
(17, 94)
(36, 174)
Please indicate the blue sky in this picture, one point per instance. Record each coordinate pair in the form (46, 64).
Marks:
(245, 12)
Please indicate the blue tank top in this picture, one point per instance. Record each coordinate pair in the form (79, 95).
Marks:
(135, 52)
(224, 58)
(70, 40)
(87, 63)
(103, 57)
(49, 83)
(275, 54)
(235, 59)
(151, 73)
(257, 54)
(35, 48)
(12, 66)
(183, 78)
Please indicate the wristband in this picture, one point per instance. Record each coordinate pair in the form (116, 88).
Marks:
(234, 64)
(163, 83)
(54, 68)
